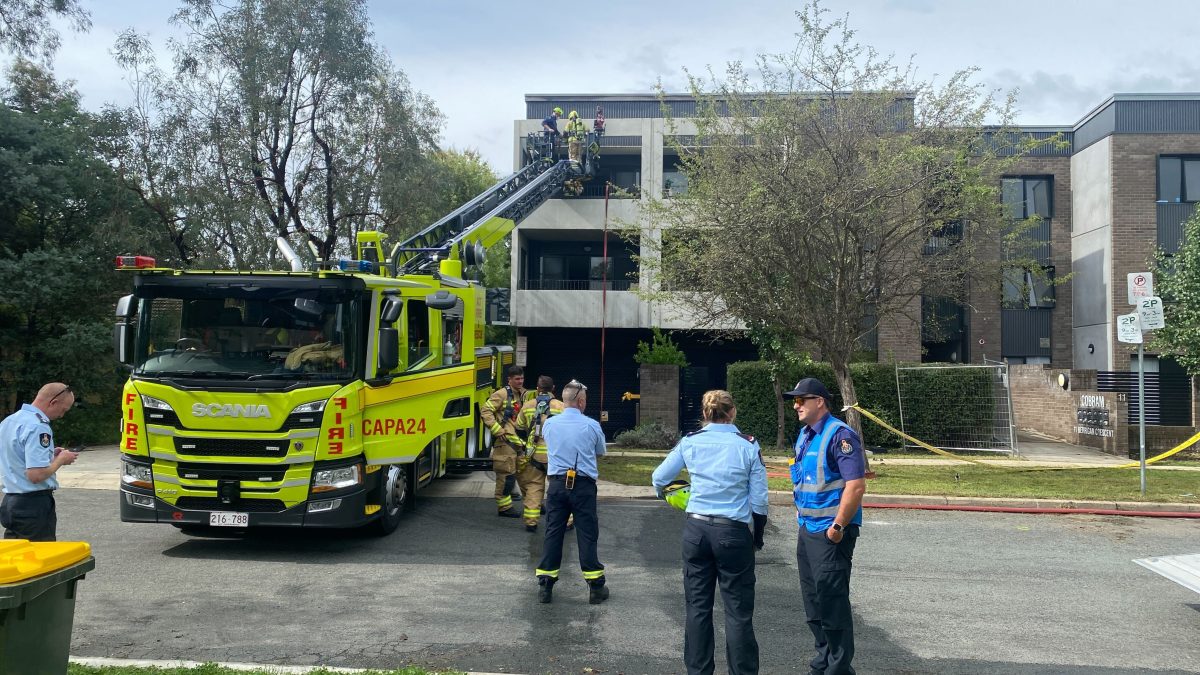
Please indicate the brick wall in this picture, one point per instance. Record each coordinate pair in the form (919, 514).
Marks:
(900, 335)
(659, 388)
(1161, 439)
(1040, 404)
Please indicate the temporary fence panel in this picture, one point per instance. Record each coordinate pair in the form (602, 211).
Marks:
(961, 407)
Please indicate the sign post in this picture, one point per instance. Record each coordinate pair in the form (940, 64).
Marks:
(1148, 316)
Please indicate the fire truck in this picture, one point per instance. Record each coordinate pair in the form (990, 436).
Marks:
(326, 395)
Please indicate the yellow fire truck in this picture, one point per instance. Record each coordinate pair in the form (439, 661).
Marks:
(319, 397)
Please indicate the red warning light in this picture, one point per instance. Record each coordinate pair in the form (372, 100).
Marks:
(135, 261)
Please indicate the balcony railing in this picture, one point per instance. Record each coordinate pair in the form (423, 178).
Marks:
(577, 285)
(595, 190)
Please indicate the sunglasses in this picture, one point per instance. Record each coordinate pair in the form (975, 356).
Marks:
(576, 384)
(64, 390)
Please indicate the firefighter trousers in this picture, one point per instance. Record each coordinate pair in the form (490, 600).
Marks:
(533, 486)
(561, 503)
(825, 584)
(504, 464)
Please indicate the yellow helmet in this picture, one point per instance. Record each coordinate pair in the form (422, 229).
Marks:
(573, 115)
(676, 493)
(557, 111)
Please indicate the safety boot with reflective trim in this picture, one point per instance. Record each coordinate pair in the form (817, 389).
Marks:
(598, 592)
(510, 512)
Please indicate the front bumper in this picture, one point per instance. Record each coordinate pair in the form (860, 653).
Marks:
(351, 512)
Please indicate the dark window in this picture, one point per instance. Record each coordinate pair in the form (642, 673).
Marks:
(1178, 178)
(1022, 289)
(418, 332)
(1028, 196)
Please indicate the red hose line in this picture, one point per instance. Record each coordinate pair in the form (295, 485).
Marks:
(1037, 510)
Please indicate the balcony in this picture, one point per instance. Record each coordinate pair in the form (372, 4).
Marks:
(578, 285)
(579, 308)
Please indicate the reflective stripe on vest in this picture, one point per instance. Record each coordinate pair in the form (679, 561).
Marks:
(816, 498)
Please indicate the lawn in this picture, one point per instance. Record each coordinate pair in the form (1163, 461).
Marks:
(969, 480)
(211, 669)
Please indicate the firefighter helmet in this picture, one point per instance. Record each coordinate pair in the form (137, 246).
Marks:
(557, 111)
(676, 493)
(573, 115)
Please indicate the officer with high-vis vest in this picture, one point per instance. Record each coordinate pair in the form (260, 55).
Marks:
(829, 479)
(531, 464)
(499, 413)
(576, 133)
(726, 508)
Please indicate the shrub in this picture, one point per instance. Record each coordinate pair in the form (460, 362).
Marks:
(661, 351)
(649, 435)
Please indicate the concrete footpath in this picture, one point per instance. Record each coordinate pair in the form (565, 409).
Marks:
(99, 469)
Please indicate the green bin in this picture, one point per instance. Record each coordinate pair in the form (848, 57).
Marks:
(37, 603)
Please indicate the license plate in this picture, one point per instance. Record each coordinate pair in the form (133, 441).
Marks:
(228, 519)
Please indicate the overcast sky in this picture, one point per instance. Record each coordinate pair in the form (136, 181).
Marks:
(478, 59)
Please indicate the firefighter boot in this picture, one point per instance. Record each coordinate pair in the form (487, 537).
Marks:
(545, 590)
(598, 592)
(510, 512)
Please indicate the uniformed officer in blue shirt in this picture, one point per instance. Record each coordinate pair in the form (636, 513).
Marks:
(29, 460)
(829, 475)
(573, 442)
(726, 516)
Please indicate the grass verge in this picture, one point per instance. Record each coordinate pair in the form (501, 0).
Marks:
(977, 481)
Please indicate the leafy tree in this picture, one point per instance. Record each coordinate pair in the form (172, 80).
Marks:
(276, 119)
(816, 182)
(63, 217)
(25, 25)
(661, 350)
(1178, 280)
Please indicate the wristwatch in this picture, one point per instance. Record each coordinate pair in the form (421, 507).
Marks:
(837, 528)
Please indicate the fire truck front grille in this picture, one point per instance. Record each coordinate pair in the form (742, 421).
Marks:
(243, 505)
(204, 471)
(231, 447)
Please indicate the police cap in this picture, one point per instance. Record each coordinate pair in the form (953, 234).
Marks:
(809, 386)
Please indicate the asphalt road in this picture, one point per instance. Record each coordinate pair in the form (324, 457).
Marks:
(934, 592)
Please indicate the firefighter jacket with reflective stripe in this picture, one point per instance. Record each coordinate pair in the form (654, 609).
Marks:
(530, 421)
(818, 485)
(499, 412)
(576, 129)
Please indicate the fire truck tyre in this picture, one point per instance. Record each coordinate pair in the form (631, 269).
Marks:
(394, 498)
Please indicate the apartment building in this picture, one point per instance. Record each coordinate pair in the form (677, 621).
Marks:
(1116, 188)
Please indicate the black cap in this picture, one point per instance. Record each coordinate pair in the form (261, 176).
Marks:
(809, 386)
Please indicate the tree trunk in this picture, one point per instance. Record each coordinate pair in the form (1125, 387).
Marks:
(781, 409)
(845, 382)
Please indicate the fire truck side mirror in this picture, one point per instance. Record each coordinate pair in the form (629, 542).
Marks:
(389, 351)
(122, 335)
(391, 310)
(441, 301)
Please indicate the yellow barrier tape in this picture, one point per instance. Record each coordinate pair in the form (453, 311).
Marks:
(910, 439)
(1131, 465)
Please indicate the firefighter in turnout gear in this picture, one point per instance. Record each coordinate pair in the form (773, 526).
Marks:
(499, 414)
(576, 133)
(531, 465)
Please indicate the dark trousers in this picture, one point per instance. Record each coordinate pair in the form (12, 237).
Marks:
(561, 503)
(29, 516)
(825, 583)
(715, 554)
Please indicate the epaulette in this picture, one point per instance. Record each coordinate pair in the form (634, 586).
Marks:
(698, 431)
(746, 436)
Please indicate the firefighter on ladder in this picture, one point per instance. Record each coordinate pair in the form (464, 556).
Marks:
(576, 133)
(531, 465)
(499, 414)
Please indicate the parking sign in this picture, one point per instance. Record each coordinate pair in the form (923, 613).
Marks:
(1140, 285)
(1150, 313)
(1129, 328)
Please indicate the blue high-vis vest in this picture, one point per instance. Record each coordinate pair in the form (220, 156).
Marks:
(817, 486)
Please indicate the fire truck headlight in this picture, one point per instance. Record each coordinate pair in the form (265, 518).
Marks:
(314, 407)
(155, 403)
(336, 479)
(136, 474)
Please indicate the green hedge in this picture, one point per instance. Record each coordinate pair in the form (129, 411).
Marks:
(935, 409)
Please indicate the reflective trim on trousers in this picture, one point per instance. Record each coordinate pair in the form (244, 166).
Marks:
(553, 574)
(504, 502)
(591, 576)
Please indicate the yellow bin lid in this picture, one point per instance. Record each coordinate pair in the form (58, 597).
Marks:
(21, 559)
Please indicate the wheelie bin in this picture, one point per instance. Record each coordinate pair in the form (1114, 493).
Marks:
(37, 603)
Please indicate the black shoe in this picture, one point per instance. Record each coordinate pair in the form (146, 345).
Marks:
(516, 496)
(545, 593)
(597, 595)
(530, 528)
(510, 513)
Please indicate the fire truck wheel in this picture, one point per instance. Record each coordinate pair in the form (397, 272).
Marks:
(394, 497)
